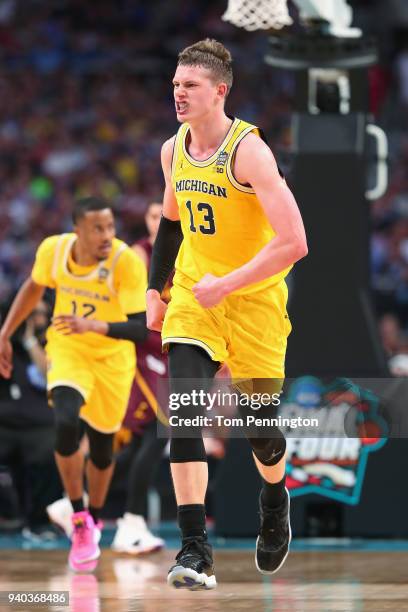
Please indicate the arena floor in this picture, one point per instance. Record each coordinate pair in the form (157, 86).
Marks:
(346, 577)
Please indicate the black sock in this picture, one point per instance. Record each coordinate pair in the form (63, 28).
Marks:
(77, 505)
(273, 494)
(94, 512)
(191, 520)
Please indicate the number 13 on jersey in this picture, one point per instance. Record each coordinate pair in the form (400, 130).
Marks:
(203, 215)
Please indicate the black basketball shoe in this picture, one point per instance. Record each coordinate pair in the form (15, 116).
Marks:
(272, 544)
(194, 568)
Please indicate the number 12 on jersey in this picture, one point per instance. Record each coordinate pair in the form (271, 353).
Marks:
(207, 217)
(86, 309)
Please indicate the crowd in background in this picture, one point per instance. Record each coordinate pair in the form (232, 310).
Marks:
(86, 102)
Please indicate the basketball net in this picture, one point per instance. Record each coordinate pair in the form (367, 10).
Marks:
(258, 14)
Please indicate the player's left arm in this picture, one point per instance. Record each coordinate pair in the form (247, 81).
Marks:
(255, 165)
(131, 276)
(134, 329)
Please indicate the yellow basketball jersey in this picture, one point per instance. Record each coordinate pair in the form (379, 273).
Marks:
(223, 222)
(107, 291)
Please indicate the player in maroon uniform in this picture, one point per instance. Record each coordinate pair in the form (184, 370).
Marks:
(133, 535)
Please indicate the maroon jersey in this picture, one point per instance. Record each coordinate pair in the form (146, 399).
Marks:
(144, 243)
(151, 367)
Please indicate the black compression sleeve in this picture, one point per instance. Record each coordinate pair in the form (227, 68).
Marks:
(133, 329)
(165, 250)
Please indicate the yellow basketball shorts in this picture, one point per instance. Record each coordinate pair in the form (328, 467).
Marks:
(104, 383)
(248, 332)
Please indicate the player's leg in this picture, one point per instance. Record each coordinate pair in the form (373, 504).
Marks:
(69, 382)
(85, 550)
(145, 451)
(259, 357)
(269, 447)
(103, 414)
(99, 469)
(133, 535)
(189, 365)
(67, 403)
(198, 360)
(272, 545)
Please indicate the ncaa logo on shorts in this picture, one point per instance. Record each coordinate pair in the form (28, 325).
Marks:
(332, 466)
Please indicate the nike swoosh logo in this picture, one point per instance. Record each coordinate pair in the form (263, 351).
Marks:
(275, 454)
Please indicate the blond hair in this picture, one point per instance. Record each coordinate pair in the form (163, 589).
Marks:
(210, 54)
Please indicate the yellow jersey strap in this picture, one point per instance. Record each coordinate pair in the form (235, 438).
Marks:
(65, 240)
(240, 129)
(243, 129)
(178, 147)
(114, 261)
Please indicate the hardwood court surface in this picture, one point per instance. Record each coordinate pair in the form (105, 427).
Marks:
(316, 581)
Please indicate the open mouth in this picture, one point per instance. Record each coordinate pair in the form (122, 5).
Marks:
(181, 107)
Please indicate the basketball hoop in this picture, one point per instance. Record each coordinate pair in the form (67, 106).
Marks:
(258, 14)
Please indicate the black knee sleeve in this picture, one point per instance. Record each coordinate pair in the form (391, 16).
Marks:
(67, 403)
(100, 448)
(267, 441)
(191, 369)
(269, 451)
(183, 450)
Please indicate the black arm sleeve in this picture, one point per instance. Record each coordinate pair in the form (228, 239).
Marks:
(165, 250)
(133, 329)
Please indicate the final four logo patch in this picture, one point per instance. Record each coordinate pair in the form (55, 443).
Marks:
(221, 159)
(332, 466)
(103, 274)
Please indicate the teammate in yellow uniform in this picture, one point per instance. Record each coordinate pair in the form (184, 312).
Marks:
(240, 231)
(99, 314)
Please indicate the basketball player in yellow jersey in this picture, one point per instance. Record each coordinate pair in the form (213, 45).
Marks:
(240, 232)
(99, 314)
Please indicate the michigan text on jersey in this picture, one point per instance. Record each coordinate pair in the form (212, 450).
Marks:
(202, 186)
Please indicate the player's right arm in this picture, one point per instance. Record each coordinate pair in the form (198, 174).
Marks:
(26, 300)
(166, 246)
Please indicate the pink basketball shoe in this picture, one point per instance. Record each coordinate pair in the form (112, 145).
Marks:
(84, 551)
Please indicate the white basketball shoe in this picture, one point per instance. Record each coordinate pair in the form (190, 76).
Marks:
(134, 537)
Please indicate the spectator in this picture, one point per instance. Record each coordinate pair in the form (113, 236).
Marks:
(391, 334)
